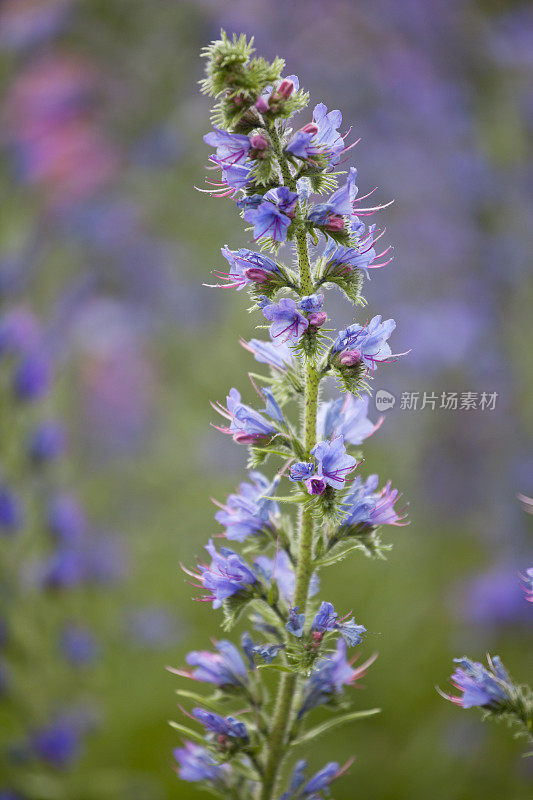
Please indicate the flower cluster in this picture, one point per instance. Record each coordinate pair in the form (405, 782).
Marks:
(275, 177)
(492, 689)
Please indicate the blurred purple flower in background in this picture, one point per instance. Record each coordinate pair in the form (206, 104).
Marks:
(152, 627)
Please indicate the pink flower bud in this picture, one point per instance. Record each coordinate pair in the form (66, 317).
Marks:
(335, 223)
(248, 438)
(311, 127)
(285, 89)
(261, 104)
(317, 318)
(259, 142)
(256, 275)
(350, 358)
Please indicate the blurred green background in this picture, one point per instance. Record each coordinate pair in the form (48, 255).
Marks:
(109, 240)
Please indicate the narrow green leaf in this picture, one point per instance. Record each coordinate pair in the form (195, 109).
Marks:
(333, 723)
(328, 560)
(198, 698)
(187, 731)
(290, 498)
(279, 667)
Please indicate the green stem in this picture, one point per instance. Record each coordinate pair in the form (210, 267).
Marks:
(288, 683)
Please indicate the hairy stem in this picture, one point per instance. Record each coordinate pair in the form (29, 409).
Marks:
(288, 683)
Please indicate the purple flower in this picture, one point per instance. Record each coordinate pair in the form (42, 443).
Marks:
(301, 470)
(47, 441)
(351, 632)
(246, 425)
(272, 407)
(343, 260)
(105, 559)
(237, 176)
(267, 651)
(227, 575)
(315, 485)
(222, 726)
(272, 216)
(281, 570)
(278, 356)
(330, 676)
(225, 668)
(11, 514)
(369, 341)
(78, 645)
(327, 136)
(250, 511)
(32, 377)
(152, 627)
(320, 136)
(339, 204)
(19, 331)
(527, 580)
(66, 519)
(311, 303)
(58, 743)
(346, 417)
(302, 145)
(367, 506)
(232, 148)
(246, 267)
(330, 467)
(251, 201)
(326, 620)
(383, 512)
(333, 464)
(320, 782)
(341, 201)
(488, 688)
(296, 622)
(494, 598)
(288, 324)
(297, 780)
(64, 569)
(196, 764)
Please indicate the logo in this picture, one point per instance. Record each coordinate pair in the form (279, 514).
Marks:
(384, 400)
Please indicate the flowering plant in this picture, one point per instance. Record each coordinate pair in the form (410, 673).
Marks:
(491, 688)
(275, 175)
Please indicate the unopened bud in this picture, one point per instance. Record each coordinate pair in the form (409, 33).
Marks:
(317, 318)
(285, 88)
(256, 274)
(335, 223)
(350, 358)
(259, 142)
(261, 105)
(245, 438)
(311, 128)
